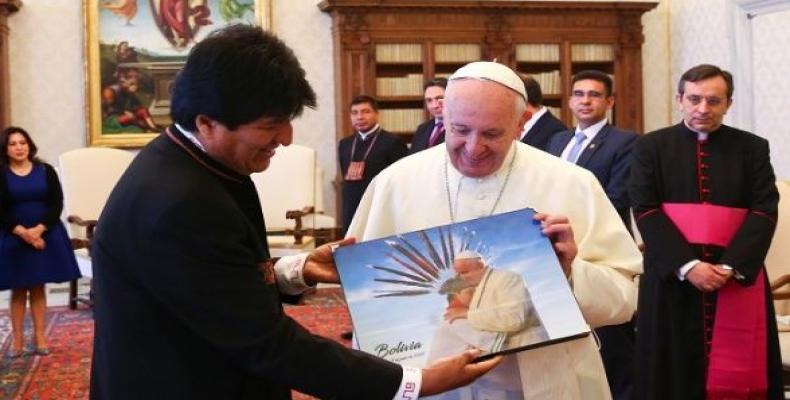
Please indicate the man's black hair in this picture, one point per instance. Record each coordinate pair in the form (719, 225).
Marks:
(440, 82)
(366, 99)
(534, 94)
(595, 76)
(238, 74)
(702, 72)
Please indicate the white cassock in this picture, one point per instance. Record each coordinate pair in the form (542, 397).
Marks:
(412, 195)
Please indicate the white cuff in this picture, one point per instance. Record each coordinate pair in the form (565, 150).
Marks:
(410, 384)
(288, 271)
(682, 271)
(735, 274)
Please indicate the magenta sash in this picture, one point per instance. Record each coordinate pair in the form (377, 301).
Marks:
(737, 368)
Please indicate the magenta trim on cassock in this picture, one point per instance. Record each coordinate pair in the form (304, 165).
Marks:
(737, 367)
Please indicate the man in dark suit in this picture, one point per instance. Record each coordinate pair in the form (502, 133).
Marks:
(603, 149)
(542, 125)
(187, 296)
(431, 132)
(606, 151)
(364, 153)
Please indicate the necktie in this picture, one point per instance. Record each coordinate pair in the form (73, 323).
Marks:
(436, 135)
(573, 155)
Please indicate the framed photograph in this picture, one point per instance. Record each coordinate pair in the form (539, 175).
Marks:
(491, 283)
(135, 48)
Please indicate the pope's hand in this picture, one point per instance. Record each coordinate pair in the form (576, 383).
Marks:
(559, 231)
(320, 264)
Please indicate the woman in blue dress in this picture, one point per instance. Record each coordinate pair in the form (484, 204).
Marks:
(34, 246)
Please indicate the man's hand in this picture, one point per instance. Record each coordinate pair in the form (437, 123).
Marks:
(453, 372)
(559, 231)
(708, 277)
(320, 264)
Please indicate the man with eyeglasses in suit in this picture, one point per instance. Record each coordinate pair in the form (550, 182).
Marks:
(604, 150)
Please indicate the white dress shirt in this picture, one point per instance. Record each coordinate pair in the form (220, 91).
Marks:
(591, 131)
(532, 121)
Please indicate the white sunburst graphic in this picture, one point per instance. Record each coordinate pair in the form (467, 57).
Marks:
(422, 266)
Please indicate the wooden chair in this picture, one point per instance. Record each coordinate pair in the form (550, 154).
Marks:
(288, 192)
(88, 176)
(777, 263)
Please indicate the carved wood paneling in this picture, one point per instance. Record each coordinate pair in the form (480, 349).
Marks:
(498, 27)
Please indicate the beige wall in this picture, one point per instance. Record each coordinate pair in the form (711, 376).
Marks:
(771, 41)
(753, 48)
(656, 67)
(309, 32)
(47, 80)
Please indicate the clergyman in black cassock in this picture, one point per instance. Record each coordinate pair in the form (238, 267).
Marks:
(709, 168)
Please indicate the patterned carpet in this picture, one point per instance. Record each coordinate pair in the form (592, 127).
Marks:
(64, 375)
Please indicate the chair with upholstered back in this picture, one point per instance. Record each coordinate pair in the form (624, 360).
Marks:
(288, 191)
(777, 263)
(88, 175)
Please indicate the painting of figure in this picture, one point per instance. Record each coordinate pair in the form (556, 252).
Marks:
(135, 49)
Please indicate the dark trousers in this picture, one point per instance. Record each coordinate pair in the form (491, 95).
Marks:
(617, 352)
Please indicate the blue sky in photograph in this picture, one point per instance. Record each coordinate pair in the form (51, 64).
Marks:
(513, 241)
(143, 33)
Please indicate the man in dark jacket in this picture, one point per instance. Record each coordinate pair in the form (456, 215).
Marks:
(431, 132)
(364, 153)
(187, 296)
(542, 124)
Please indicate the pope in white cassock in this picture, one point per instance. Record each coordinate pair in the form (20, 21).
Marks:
(482, 170)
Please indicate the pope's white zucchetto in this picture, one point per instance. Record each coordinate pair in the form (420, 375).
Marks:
(468, 255)
(492, 71)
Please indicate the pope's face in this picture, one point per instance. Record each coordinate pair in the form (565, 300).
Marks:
(481, 123)
(704, 103)
(470, 270)
(248, 148)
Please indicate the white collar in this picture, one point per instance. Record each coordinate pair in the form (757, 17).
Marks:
(365, 135)
(701, 136)
(191, 136)
(591, 131)
(532, 121)
(477, 197)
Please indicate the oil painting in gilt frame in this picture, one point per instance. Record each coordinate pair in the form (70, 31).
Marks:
(135, 48)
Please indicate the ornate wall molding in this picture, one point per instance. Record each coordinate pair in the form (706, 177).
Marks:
(742, 14)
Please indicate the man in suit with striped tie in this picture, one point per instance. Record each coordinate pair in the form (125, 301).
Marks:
(606, 151)
(431, 132)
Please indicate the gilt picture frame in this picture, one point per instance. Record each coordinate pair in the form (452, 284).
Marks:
(133, 51)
